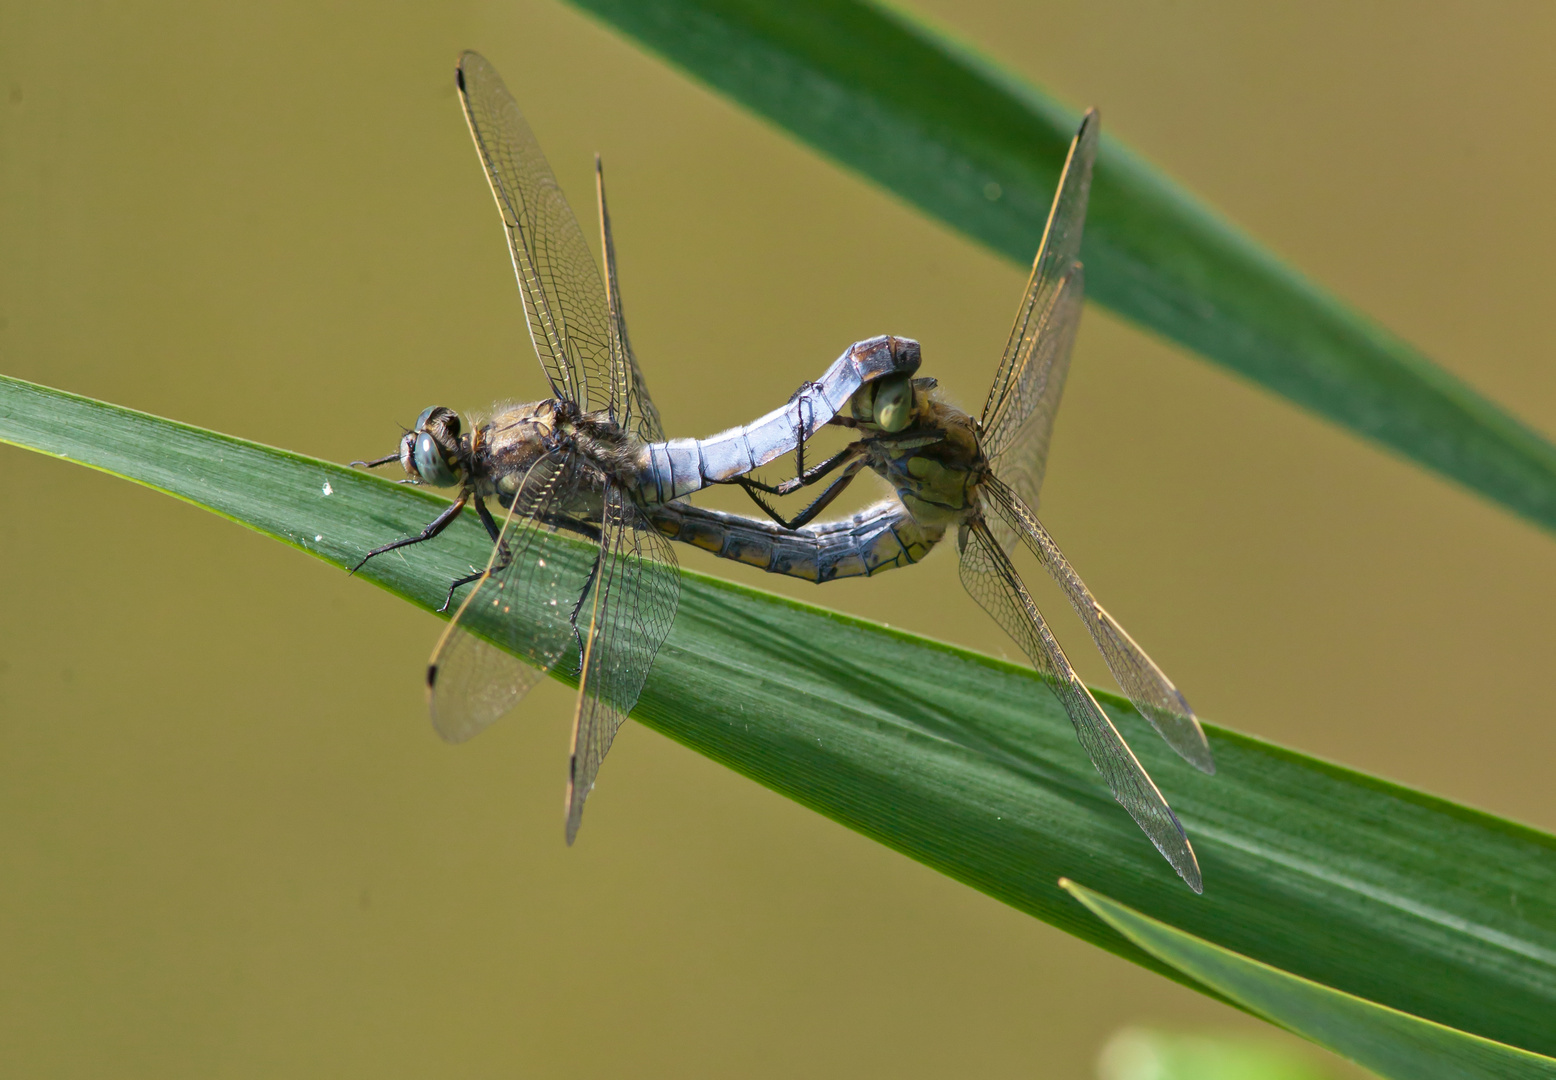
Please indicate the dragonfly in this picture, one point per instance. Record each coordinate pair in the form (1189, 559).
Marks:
(981, 476)
(589, 464)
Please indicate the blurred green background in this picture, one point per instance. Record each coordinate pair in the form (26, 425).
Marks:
(230, 843)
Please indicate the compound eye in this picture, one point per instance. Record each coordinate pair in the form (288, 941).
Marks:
(862, 404)
(894, 403)
(421, 421)
(429, 462)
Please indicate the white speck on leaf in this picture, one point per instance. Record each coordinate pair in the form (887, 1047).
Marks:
(317, 537)
(327, 489)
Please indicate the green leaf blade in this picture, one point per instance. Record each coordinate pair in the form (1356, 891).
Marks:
(968, 143)
(966, 763)
(1389, 1042)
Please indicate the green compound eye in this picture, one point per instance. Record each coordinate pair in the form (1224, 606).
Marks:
(862, 404)
(894, 403)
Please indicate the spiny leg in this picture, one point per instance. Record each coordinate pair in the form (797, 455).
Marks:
(436, 526)
(504, 556)
(583, 594)
(804, 479)
(385, 460)
(807, 424)
(823, 500)
(808, 429)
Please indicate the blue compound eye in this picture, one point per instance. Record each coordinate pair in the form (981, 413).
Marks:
(429, 462)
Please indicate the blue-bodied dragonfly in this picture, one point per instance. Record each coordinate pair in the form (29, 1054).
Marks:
(591, 462)
(982, 476)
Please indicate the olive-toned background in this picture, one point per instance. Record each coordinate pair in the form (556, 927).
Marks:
(230, 844)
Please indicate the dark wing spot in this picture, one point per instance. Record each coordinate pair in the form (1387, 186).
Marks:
(432, 675)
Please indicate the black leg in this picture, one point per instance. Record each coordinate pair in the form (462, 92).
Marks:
(486, 519)
(594, 572)
(437, 525)
(823, 500)
(504, 556)
(374, 464)
(804, 479)
(807, 427)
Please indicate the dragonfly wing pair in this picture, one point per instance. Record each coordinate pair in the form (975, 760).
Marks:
(1018, 417)
(989, 576)
(603, 612)
(1016, 427)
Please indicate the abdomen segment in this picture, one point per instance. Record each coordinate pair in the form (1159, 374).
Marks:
(881, 537)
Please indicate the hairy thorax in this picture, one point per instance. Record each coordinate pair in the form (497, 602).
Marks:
(934, 465)
(507, 448)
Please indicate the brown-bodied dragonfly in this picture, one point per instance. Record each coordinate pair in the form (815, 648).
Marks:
(982, 477)
(589, 463)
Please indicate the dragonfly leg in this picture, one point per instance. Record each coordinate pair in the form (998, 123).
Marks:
(804, 479)
(583, 594)
(434, 527)
(491, 525)
(504, 556)
(808, 423)
(823, 500)
(386, 459)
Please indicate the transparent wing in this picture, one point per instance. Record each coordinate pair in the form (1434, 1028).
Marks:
(630, 403)
(1031, 373)
(564, 301)
(523, 604)
(991, 579)
(1017, 447)
(629, 613)
(1151, 691)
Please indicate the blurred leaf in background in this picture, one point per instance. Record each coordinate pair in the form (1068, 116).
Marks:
(1145, 1054)
(968, 142)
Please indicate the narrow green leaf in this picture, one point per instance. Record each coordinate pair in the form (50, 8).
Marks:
(975, 146)
(1136, 1054)
(1387, 1041)
(966, 763)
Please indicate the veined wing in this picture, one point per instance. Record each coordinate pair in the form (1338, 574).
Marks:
(533, 579)
(1031, 373)
(564, 301)
(991, 579)
(1017, 447)
(630, 403)
(1151, 691)
(629, 612)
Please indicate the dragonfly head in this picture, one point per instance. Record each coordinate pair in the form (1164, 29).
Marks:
(891, 403)
(430, 451)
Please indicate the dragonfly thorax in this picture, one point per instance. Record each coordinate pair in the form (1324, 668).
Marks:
(934, 464)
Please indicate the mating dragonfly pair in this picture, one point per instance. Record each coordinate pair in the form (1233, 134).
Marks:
(592, 464)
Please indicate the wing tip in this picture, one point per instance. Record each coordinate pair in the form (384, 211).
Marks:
(1183, 859)
(573, 804)
(1197, 750)
(574, 817)
(466, 57)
